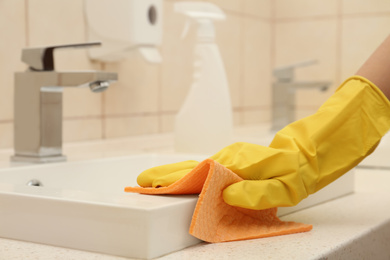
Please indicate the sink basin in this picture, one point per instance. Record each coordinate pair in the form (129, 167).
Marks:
(82, 205)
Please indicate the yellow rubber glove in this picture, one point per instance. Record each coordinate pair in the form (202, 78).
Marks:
(165, 175)
(304, 157)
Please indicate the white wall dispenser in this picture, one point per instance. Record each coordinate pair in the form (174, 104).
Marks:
(122, 26)
(204, 123)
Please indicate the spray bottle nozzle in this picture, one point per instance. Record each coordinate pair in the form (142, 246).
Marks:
(203, 14)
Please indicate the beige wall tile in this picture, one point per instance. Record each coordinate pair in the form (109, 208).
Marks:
(307, 40)
(6, 134)
(229, 5)
(305, 8)
(81, 102)
(55, 22)
(132, 125)
(365, 6)
(82, 129)
(167, 122)
(359, 40)
(13, 31)
(260, 8)
(256, 70)
(304, 112)
(256, 116)
(237, 117)
(137, 89)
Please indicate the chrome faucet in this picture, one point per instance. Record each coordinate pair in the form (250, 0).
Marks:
(38, 103)
(283, 93)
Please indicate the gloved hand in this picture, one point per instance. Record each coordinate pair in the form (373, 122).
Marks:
(303, 157)
(165, 175)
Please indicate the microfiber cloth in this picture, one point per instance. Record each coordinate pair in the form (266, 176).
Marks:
(214, 220)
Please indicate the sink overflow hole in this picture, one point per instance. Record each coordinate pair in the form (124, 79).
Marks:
(34, 182)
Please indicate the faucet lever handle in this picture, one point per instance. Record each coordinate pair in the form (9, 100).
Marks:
(42, 58)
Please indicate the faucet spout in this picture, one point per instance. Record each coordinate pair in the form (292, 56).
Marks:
(98, 86)
(84, 78)
(320, 85)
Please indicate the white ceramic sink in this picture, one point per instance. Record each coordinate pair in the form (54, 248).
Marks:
(82, 205)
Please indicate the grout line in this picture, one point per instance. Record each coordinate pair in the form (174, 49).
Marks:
(372, 167)
(327, 17)
(145, 114)
(308, 107)
(366, 15)
(241, 80)
(250, 108)
(272, 50)
(236, 12)
(140, 114)
(339, 42)
(304, 19)
(26, 21)
(159, 99)
(102, 67)
(103, 107)
(235, 109)
(273, 35)
(247, 15)
(6, 121)
(85, 22)
(76, 118)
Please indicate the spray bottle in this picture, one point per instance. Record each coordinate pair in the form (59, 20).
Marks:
(204, 123)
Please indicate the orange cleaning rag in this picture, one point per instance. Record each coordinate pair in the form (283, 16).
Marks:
(214, 220)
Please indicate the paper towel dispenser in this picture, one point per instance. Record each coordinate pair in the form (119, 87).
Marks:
(124, 25)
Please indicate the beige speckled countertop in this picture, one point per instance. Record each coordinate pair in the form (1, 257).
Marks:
(356, 226)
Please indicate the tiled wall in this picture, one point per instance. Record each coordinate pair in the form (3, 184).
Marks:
(340, 34)
(257, 36)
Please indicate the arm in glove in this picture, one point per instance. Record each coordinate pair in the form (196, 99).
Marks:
(316, 150)
(304, 157)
